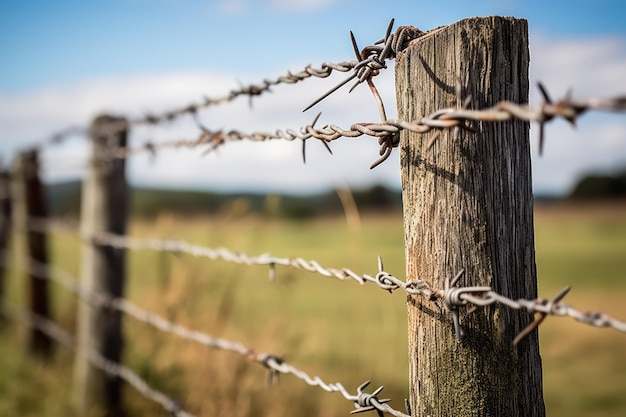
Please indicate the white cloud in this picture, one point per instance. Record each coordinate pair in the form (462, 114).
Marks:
(593, 67)
(595, 146)
(590, 67)
(274, 166)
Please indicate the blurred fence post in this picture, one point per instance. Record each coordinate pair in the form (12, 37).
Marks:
(103, 209)
(468, 205)
(5, 231)
(30, 203)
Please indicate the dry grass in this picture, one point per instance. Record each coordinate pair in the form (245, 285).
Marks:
(338, 330)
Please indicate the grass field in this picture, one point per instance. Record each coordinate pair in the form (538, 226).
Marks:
(341, 331)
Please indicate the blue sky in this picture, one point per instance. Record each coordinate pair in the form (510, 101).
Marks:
(64, 61)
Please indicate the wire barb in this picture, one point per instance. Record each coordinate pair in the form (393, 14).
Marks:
(388, 131)
(372, 59)
(383, 279)
(276, 365)
(455, 297)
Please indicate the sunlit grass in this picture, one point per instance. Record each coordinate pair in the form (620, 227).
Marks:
(341, 331)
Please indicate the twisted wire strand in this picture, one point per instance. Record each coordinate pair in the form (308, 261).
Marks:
(543, 306)
(382, 279)
(452, 295)
(387, 132)
(371, 60)
(64, 338)
(275, 364)
(455, 296)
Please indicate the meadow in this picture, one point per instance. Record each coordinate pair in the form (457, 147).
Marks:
(341, 331)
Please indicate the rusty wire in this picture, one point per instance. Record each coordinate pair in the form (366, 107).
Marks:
(370, 61)
(274, 364)
(481, 296)
(64, 338)
(388, 131)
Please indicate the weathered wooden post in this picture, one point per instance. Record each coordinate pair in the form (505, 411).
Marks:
(468, 205)
(5, 230)
(103, 209)
(30, 203)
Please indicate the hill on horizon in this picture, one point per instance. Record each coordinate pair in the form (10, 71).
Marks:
(64, 200)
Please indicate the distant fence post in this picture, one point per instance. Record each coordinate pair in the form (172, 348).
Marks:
(30, 203)
(103, 209)
(5, 231)
(468, 205)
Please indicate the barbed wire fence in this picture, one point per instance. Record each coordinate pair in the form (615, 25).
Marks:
(370, 61)
(452, 295)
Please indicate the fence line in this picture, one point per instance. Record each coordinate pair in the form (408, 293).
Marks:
(383, 279)
(483, 296)
(370, 61)
(275, 364)
(452, 295)
(387, 132)
(64, 338)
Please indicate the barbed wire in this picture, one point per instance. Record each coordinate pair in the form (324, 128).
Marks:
(274, 364)
(482, 296)
(388, 132)
(370, 61)
(382, 279)
(452, 296)
(64, 338)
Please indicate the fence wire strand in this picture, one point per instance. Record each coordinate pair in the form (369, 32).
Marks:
(273, 363)
(452, 295)
(63, 337)
(388, 131)
(482, 296)
(382, 279)
(370, 61)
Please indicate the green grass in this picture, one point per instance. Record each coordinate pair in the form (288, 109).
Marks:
(341, 331)
(584, 367)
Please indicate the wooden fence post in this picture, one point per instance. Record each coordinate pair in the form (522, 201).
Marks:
(468, 205)
(30, 203)
(5, 231)
(103, 209)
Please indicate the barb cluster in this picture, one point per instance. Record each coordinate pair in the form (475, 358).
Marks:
(452, 295)
(455, 296)
(387, 132)
(370, 61)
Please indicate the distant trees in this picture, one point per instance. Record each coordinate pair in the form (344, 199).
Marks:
(596, 186)
(64, 200)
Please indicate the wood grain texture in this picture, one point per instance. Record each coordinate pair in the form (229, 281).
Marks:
(468, 204)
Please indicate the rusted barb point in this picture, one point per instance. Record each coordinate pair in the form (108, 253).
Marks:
(367, 402)
(542, 316)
